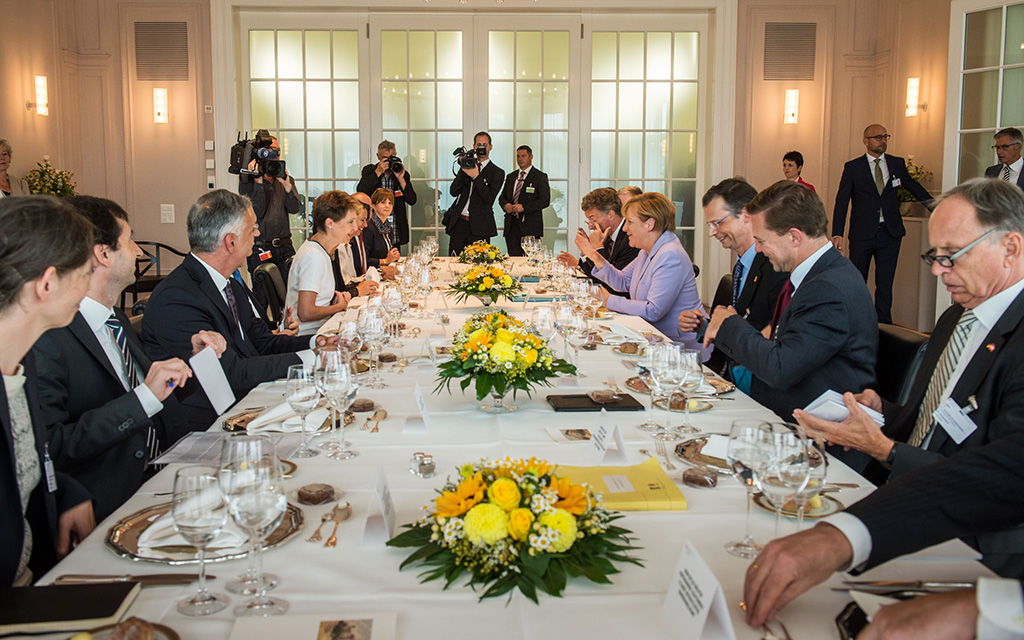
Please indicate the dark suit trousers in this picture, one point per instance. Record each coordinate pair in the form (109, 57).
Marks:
(462, 236)
(514, 237)
(885, 249)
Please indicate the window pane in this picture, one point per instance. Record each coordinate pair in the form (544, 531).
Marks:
(528, 52)
(1013, 97)
(658, 105)
(605, 54)
(631, 56)
(556, 55)
(556, 240)
(290, 99)
(447, 141)
(502, 55)
(449, 105)
(979, 100)
(501, 105)
(401, 140)
(981, 42)
(421, 58)
(684, 155)
(315, 188)
(318, 54)
(685, 56)
(659, 56)
(631, 105)
(976, 154)
(419, 153)
(346, 55)
(556, 154)
(318, 97)
(289, 54)
(684, 197)
(262, 57)
(293, 147)
(503, 154)
(320, 162)
(393, 55)
(346, 105)
(449, 54)
(1014, 34)
(602, 155)
(394, 105)
(684, 105)
(630, 155)
(528, 105)
(346, 154)
(264, 105)
(603, 105)
(686, 238)
(555, 214)
(656, 151)
(556, 105)
(421, 105)
(532, 140)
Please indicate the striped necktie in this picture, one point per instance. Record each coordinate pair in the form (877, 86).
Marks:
(131, 375)
(737, 277)
(233, 306)
(519, 187)
(879, 178)
(947, 364)
(1006, 172)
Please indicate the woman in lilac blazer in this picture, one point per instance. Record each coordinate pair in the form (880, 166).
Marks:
(660, 280)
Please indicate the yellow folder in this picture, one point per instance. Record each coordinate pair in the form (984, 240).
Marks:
(641, 487)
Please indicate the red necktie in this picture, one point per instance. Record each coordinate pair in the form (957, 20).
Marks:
(362, 255)
(782, 303)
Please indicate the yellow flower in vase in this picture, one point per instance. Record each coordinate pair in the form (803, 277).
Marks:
(563, 522)
(519, 523)
(502, 352)
(455, 503)
(571, 497)
(485, 524)
(504, 493)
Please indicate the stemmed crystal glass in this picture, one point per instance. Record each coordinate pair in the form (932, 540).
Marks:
(543, 320)
(256, 499)
(349, 340)
(372, 327)
(329, 358)
(667, 371)
(786, 466)
(303, 397)
(815, 479)
(595, 299)
(577, 333)
(748, 446)
(340, 389)
(644, 362)
(238, 452)
(691, 377)
(394, 305)
(199, 512)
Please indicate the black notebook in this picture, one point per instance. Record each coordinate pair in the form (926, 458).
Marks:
(70, 607)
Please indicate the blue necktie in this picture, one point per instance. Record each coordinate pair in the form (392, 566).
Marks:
(737, 276)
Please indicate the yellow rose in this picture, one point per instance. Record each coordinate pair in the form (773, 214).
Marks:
(490, 254)
(519, 522)
(488, 282)
(530, 357)
(561, 521)
(504, 493)
(485, 524)
(504, 335)
(482, 287)
(502, 352)
(506, 280)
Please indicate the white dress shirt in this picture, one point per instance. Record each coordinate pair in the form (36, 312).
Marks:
(465, 210)
(1015, 168)
(800, 271)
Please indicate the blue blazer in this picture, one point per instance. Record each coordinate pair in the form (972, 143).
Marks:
(996, 171)
(858, 185)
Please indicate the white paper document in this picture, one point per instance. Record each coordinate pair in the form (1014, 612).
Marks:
(695, 604)
(204, 448)
(210, 374)
(830, 406)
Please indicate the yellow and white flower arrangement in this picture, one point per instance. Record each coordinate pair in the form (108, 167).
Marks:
(499, 352)
(515, 524)
(489, 283)
(49, 181)
(481, 253)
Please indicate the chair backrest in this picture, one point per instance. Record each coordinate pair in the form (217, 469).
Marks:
(267, 278)
(723, 294)
(900, 351)
(151, 257)
(136, 324)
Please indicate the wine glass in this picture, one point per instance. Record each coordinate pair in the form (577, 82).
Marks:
(666, 369)
(394, 305)
(328, 359)
(349, 339)
(643, 371)
(786, 466)
(543, 320)
(340, 388)
(596, 298)
(372, 327)
(303, 396)
(815, 479)
(691, 377)
(199, 512)
(240, 452)
(577, 334)
(257, 502)
(748, 445)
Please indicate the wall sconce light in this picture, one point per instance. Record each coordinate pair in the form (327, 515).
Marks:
(42, 103)
(160, 106)
(913, 97)
(792, 106)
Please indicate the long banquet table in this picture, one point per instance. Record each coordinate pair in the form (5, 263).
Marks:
(354, 578)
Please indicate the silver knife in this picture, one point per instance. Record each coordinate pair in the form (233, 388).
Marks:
(149, 580)
(907, 584)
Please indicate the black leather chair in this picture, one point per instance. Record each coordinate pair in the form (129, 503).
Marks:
(136, 324)
(723, 294)
(900, 351)
(268, 285)
(148, 271)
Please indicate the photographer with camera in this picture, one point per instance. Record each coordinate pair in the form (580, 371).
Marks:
(273, 195)
(389, 173)
(476, 186)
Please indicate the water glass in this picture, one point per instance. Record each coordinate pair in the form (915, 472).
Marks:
(748, 447)
(199, 512)
(643, 370)
(691, 377)
(302, 396)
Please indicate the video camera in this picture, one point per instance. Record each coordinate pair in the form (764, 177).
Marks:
(467, 159)
(258, 148)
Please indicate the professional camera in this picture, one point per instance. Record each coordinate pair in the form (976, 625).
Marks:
(467, 159)
(395, 164)
(267, 160)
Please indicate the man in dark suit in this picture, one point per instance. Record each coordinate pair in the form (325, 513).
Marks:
(471, 217)
(755, 284)
(973, 357)
(876, 226)
(524, 198)
(825, 335)
(201, 295)
(107, 408)
(1007, 146)
(972, 492)
(389, 173)
(602, 209)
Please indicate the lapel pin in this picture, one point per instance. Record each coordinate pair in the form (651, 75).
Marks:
(991, 347)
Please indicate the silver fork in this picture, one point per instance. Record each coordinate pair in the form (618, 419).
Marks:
(659, 446)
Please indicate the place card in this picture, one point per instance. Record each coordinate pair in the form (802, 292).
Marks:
(206, 366)
(421, 423)
(364, 625)
(428, 356)
(380, 524)
(602, 436)
(695, 604)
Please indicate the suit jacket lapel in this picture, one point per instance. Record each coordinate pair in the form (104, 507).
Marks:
(823, 263)
(621, 242)
(210, 290)
(142, 361)
(81, 330)
(747, 293)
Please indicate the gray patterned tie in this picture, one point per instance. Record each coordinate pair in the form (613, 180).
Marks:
(1006, 172)
(737, 276)
(947, 364)
(128, 367)
(879, 178)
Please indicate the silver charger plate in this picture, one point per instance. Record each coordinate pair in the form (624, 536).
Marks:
(689, 451)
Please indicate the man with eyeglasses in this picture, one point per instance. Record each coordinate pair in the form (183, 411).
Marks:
(603, 210)
(1007, 146)
(870, 183)
(969, 390)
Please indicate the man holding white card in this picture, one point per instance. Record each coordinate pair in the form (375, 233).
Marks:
(969, 390)
(108, 409)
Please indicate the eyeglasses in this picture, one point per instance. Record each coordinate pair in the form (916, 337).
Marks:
(1004, 147)
(714, 225)
(947, 262)
(880, 138)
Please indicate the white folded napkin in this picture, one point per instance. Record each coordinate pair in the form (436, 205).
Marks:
(161, 533)
(284, 420)
(372, 274)
(621, 333)
(276, 414)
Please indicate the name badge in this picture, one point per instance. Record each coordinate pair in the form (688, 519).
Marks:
(530, 189)
(895, 182)
(265, 255)
(954, 420)
(398, 193)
